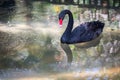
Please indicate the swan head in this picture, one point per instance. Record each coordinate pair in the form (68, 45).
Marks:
(62, 15)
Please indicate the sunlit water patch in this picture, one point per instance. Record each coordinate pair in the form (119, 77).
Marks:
(87, 74)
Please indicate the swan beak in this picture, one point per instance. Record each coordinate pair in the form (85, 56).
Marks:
(60, 22)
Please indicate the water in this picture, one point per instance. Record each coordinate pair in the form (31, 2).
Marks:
(31, 50)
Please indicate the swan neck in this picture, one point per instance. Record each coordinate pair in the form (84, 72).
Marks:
(70, 23)
(67, 34)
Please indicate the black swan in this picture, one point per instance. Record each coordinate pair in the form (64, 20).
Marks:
(83, 33)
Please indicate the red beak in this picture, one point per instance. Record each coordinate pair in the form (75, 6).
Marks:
(60, 22)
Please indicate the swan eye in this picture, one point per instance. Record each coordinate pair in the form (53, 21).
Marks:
(60, 22)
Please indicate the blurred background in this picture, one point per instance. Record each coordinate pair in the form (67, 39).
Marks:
(30, 47)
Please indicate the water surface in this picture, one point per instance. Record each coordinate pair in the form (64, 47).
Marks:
(31, 50)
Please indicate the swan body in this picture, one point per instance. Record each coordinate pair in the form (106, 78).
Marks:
(83, 33)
